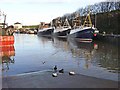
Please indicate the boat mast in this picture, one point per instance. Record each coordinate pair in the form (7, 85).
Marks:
(4, 20)
(58, 22)
(88, 21)
(66, 23)
(76, 21)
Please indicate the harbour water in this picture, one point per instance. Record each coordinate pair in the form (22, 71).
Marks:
(34, 53)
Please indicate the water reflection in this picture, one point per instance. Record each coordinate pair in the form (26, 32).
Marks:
(7, 56)
(61, 43)
(108, 57)
(83, 50)
(45, 39)
(97, 53)
(33, 53)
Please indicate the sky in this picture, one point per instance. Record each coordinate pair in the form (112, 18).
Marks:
(32, 12)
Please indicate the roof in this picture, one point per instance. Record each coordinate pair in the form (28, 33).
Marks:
(17, 23)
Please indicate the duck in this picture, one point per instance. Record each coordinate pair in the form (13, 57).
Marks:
(43, 62)
(71, 73)
(54, 74)
(55, 68)
(61, 71)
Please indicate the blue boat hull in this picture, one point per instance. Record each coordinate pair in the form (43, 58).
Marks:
(62, 34)
(46, 32)
(84, 35)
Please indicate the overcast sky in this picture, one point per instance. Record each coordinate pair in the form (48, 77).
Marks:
(31, 12)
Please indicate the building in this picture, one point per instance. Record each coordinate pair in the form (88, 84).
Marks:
(17, 25)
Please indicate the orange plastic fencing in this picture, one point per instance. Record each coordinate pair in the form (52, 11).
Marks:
(7, 46)
(7, 51)
(6, 40)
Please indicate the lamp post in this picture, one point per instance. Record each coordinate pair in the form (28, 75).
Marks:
(2, 14)
(0, 19)
(4, 19)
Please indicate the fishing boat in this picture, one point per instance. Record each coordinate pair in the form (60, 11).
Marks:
(62, 30)
(86, 32)
(45, 30)
(6, 32)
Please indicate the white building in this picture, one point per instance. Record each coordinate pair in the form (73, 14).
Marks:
(17, 25)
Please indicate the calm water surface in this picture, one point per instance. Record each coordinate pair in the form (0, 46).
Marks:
(33, 53)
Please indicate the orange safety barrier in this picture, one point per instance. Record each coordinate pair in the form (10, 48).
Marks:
(7, 51)
(6, 40)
